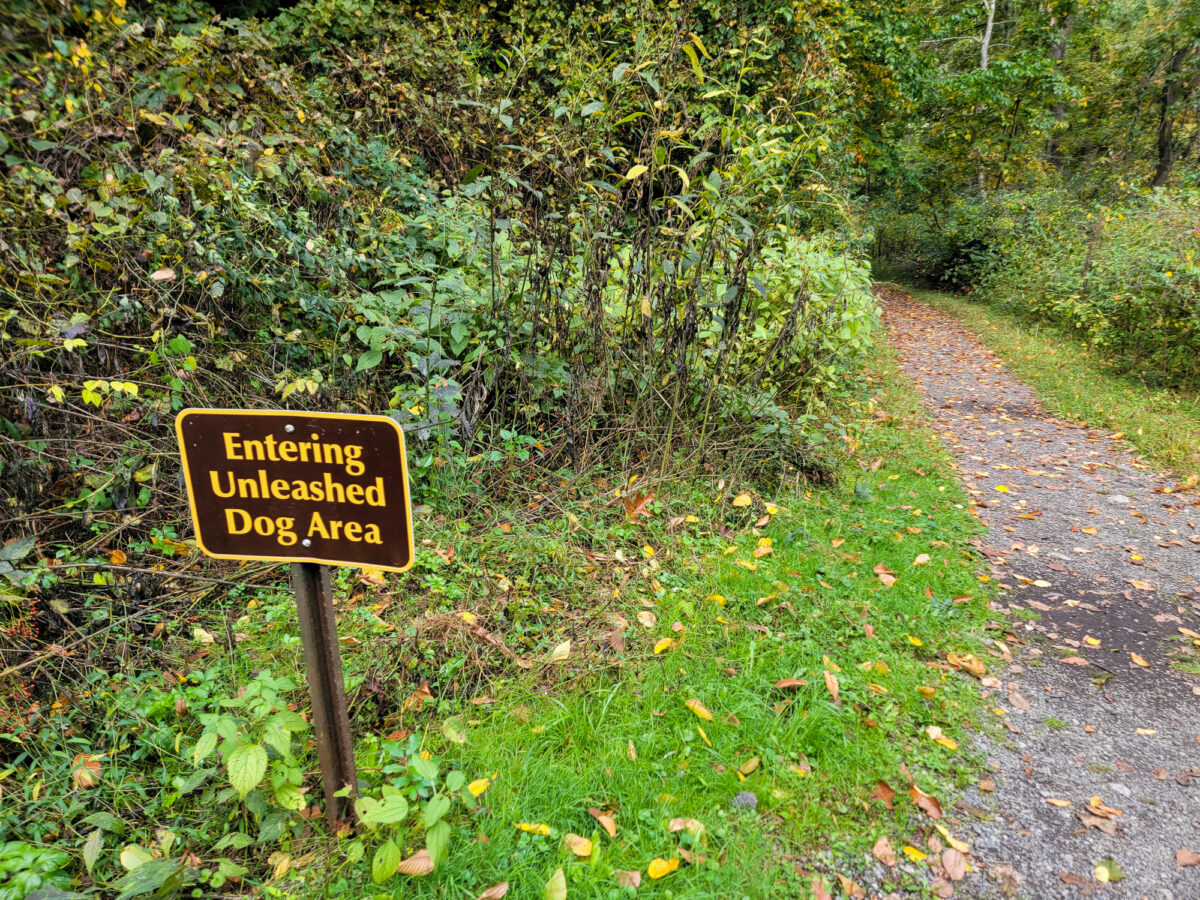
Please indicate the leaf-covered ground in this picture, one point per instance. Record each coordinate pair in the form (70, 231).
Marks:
(1095, 557)
(731, 688)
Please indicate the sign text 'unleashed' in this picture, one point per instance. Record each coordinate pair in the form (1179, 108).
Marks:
(313, 487)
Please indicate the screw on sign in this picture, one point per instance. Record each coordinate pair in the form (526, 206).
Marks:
(315, 490)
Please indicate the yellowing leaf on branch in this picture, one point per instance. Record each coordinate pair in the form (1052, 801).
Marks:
(85, 770)
(636, 172)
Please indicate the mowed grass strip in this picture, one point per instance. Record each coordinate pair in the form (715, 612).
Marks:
(1076, 382)
(653, 737)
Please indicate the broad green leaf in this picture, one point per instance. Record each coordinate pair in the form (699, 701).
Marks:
(437, 842)
(437, 807)
(91, 849)
(388, 811)
(387, 858)
(247, 766)
(149, 877)
(426, 768)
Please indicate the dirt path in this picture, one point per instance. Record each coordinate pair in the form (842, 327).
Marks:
(1098, 563)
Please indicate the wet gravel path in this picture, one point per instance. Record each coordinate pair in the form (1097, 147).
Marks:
(1097, 559)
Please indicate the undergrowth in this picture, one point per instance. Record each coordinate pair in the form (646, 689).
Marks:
(645, 649)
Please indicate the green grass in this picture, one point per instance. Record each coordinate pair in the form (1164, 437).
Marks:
(601, 728)
(1076, 382)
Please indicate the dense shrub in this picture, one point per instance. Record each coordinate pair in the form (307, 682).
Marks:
(1122, 276)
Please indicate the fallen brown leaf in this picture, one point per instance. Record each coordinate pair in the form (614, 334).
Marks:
(884, 853)
(955, 864)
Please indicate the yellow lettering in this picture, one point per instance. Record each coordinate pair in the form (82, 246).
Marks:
(354, 493)
(300, 490)
(354, 465)
(216, 484)
(230, 444)
(287, 537)
(254, 450)
(372, 536)
(316, 526)
(280, 489)
(247, 488)
(237, 521)
(353, 531)
(287, 451)
(332, 488)
(375, 494)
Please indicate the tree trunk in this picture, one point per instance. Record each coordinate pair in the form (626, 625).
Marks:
(984, 48)
(1166, 137)
(986, 43)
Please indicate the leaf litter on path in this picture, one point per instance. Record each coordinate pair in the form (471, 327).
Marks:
(1107, 552)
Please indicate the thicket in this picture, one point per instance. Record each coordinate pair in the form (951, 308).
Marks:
(1052, 168)
(1122, 276)
(550, 241)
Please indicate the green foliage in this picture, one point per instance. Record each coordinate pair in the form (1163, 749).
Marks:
(1123, 277)
(26, 868)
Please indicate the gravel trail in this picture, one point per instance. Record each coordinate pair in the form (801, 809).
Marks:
(1097, 558)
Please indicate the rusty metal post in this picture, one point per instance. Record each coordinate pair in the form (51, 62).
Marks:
(323, 667)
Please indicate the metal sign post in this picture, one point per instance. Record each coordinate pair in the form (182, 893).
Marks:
(323, 663)
(315, 490)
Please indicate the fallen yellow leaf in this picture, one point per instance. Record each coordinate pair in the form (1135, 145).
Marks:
(660, 867)
(1139, 661)
(699, 709)
(580, 846)
(739, 500)
(532, 828)
(478, 786)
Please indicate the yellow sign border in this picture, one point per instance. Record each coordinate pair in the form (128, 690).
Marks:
(187, 477)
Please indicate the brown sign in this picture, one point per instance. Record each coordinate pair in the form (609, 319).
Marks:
(297, 487)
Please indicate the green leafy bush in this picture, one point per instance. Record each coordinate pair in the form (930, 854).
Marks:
(1122, 276)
